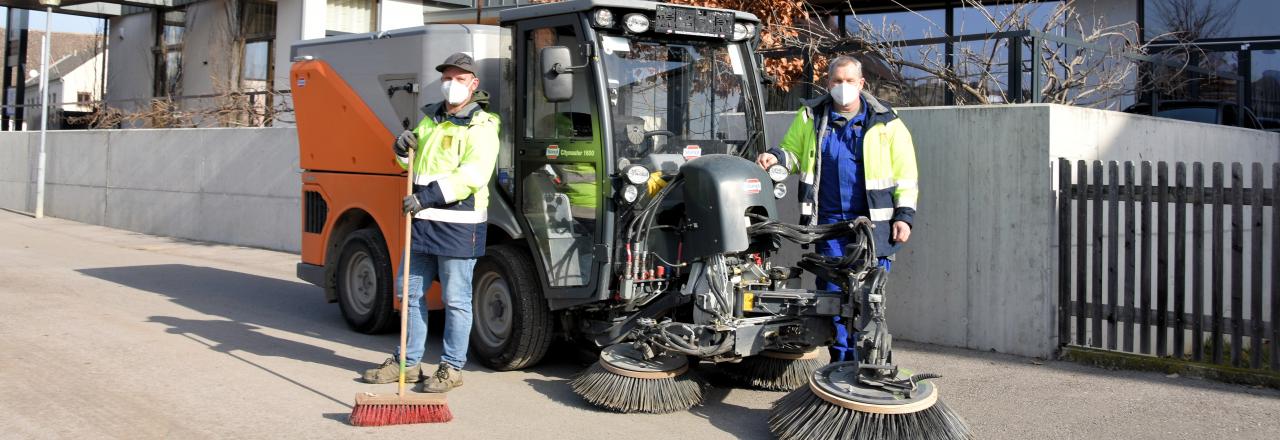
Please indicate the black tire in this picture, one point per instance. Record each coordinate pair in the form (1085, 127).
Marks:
(513, 327)
(366, 283)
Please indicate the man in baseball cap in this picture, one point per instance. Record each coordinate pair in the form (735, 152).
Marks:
(455, 150)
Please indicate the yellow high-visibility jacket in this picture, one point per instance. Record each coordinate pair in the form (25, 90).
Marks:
(889, 164)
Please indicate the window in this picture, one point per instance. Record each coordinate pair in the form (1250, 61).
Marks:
(903, 25)
(349, 17)
(83, 98)
(258, 28)
(170, 34)
(255, 62)
(560, 204)
(1265, 85)
(259, 20)
(1199, 19)
(668, 95)
(905, 86)
(971, 20)
(558, 120)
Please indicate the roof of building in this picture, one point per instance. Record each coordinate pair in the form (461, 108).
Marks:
(66, 64)
(63, 45)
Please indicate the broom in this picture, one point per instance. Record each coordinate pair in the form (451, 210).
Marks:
(775, 370)
(396, 409)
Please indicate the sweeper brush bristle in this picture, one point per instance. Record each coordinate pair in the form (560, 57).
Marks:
(626, 394)
(380, 410)
(773, 374)
(801, 414)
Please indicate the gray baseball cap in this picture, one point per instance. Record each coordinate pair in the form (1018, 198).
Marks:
(459, 60)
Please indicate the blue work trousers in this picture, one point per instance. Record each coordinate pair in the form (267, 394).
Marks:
(455, 281)
(843, 348)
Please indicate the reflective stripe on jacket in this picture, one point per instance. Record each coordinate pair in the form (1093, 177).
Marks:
(888, 164)
(454, 161)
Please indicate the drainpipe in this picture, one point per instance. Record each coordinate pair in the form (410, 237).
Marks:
(44, 103)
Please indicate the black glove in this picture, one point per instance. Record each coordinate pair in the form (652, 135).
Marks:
(412, 205)
(405, 142)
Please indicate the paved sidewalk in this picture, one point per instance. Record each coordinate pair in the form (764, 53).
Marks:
(107, 333)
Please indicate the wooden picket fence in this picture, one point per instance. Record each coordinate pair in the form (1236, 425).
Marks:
(1110, 297)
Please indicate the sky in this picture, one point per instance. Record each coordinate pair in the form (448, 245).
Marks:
(61, 22)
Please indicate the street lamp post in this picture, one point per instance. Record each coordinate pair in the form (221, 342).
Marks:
(44, 102)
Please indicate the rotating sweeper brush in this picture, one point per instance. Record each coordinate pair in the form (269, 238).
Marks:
(775, 370)
(624, 381)
(869, 397)
(842, 403)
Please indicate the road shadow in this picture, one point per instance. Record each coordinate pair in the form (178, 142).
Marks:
(738, 421)
(249, 303)
(231, 336)
(563, 363)
(245, 298)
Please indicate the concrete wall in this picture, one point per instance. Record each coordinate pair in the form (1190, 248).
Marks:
(980, 270)
(237, 186)
(209, 58)
(130, 65)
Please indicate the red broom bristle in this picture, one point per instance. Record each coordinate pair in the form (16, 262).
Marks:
(381, 415)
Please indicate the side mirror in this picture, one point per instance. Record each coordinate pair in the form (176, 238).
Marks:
(556, 65)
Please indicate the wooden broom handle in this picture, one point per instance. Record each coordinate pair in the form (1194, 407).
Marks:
(404, 276)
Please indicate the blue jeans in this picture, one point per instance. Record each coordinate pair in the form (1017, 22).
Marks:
(842, 349)
(455, 281)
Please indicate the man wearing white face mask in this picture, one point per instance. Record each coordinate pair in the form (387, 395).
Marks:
(855, 159)
(455, 150)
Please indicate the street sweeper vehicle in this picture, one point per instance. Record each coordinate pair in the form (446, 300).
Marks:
(625, 211)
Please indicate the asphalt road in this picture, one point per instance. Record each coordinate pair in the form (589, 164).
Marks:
(111, 334)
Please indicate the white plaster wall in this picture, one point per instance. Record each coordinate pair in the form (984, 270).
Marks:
(396, 14)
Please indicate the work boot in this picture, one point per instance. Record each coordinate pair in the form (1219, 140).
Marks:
(446, 378)
(389, 372)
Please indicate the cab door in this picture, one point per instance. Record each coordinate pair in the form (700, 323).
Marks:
(560, 185)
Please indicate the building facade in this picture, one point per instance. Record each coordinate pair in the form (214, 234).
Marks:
(1237, 39)
(195, 53)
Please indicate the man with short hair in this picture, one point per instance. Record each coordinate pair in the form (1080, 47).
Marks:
(855, 159)
(455, 150)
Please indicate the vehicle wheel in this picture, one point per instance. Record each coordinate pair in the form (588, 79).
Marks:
(366, 283)
(513, 327)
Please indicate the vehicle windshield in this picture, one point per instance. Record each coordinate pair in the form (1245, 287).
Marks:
(678, 97)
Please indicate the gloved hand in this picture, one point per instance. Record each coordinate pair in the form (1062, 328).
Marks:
(404, 143)
(412, 205)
